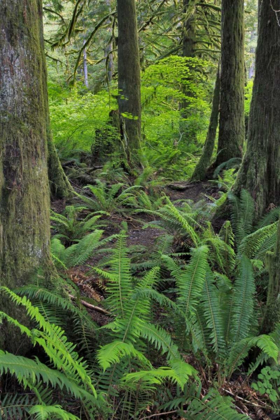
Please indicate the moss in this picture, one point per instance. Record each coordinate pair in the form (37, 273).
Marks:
(129, 78)
(232, 120)
(260, 172)
(201, 168)
(24, 189)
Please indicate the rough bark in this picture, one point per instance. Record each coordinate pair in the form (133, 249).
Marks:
(188, 49)
(260, 173)
(60, 186)
(129, 78)
(272, 310)
(232, 121)
(24, 187)
(205, 159)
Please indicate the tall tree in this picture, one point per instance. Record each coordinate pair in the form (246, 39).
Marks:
(259, 173)
(232, 123)
(24, 188)
(129, 77)
(205, 159)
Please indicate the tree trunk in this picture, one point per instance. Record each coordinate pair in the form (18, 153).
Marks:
(259, 173)
(188, 49)
(60, 186)
(129, 78)
(201, 168)
(24, 187)
(232, 120)
(272, 310)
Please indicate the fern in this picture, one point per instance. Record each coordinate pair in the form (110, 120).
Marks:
(43, 412)
(240, 350)
(242, 214)
(78, 253)
(213, 315)
(243, 300)
(252, 244)
(212, 407)
(109, 200)
(70, 228)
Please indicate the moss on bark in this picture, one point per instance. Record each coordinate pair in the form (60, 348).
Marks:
(24, 189)
(260, 173)
(232, 120)
(201, 168)
(129, 79)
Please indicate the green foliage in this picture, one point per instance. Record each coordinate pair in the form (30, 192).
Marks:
(269, 383)
(108, 200)
(162, 95)
(77, 115)
(70, 373)
(78, 253)
(70, 227)
(130, 300)
(213, 407)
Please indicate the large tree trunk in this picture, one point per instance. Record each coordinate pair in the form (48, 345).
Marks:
(205, 159)
(24, 187)
(260, 173)
(232, 120)
(129, 78)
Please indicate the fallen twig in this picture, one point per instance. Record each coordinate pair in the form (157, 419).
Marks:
(90, 306)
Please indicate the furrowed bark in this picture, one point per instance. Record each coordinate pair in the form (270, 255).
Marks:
(232, 120)
(24, 187)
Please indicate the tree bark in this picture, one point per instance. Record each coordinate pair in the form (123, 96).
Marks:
(188, 50)
(60, 186)
(129, 79)
(24, 187)
(201, 168)
(272, 309)
(232, 120)
(259, 173)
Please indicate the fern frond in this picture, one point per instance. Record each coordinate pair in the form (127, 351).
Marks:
(243, 300)
(178, 374)
(213, 314)
(16, 406)
(240, 350)
(44, 412)
(252, 244)
(242, 214)
(26, 369)
(113, 352)
(212, 407)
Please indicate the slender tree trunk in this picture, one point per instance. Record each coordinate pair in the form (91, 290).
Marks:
(60, 186)
(201, 168)
(260, 173)
(24, 187)
(85, 67)
(188, 49)
(109, 51)
(129, 78)
(232, 120)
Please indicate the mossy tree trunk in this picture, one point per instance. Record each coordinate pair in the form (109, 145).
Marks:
(272, 310)
(60, 186)
(188, 50)
(129, 79)
(24, 186)
(205, 159)
(260, 170)
(232, 120)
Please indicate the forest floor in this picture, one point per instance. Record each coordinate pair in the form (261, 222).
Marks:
(93, 288)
